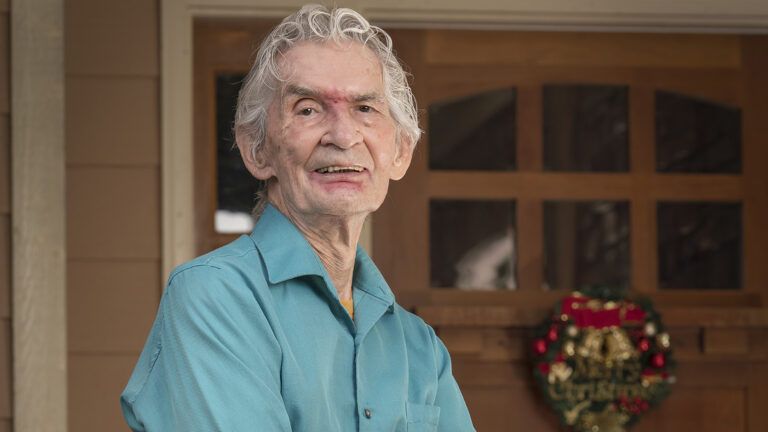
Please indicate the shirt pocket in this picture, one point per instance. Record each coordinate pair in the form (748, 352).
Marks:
(422, 418)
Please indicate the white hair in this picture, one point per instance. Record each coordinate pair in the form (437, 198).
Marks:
(316, 23)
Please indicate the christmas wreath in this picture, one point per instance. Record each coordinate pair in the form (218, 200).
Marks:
(602, 360)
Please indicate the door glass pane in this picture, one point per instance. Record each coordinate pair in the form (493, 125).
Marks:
(696, 136)
(586, 243)
(473, 133)
(585, 128)
(235, 186)
(699, 245)
(472, 244)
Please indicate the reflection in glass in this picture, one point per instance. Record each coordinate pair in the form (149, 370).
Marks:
(696, 136)
(586, 243)
(473, 133)
(235, 187)
(472, 244)
(699, 245)
(585, 128)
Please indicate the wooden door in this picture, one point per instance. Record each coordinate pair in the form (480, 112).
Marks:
(550, 91)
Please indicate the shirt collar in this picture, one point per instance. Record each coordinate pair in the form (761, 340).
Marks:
(288, 255)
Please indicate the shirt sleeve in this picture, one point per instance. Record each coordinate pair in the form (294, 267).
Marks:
(454, 415)
(218, 363)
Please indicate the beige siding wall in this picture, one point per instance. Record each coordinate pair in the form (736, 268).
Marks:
(113, 199)
(6, 357)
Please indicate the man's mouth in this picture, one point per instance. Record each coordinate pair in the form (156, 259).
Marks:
(340, 169)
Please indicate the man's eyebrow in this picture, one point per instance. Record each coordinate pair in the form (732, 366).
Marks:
(302, 92)
(367, 97)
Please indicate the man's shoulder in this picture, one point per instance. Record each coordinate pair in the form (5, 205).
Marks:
(235, 268)
(413, 325)
(236, 255)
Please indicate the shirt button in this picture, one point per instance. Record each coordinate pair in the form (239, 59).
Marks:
(367, 413)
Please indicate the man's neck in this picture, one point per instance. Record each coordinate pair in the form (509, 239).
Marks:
(334, 239)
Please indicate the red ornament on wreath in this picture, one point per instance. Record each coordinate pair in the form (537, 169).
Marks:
(602, 360)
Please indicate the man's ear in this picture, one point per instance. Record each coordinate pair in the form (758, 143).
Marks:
(258, 163)
(404, 148)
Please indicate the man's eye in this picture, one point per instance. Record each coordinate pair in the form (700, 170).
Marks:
(365, 108)
(306, 111)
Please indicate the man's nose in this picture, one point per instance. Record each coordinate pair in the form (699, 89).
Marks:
(343, 131)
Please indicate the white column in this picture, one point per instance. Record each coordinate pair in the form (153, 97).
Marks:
(38, 216)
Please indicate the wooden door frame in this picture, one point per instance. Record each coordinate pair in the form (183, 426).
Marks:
(178, 230)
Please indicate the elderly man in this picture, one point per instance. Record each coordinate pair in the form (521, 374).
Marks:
(293, 328)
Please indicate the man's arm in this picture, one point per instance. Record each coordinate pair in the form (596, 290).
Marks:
(218, 366)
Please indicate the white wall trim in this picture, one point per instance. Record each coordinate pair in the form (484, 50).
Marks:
(695, 16)
(38, 216)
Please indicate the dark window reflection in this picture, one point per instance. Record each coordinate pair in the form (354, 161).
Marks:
(699, 245)
(696, 136)
(473, 133)
(585, 128)
(235, 187)
(586, 243)
(472, 244)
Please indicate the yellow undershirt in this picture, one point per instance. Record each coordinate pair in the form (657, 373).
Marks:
(349, 305)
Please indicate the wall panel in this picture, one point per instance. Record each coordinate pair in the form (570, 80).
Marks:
(113, 212)
(98, 380)
(123, 307)
(113, 121)
(6, 343)
(113, 204)
(112, 37)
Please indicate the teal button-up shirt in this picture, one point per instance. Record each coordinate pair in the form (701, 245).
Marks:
(252, 337)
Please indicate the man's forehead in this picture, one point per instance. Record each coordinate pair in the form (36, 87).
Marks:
(346, 67)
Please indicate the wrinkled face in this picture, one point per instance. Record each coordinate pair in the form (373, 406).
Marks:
(331, 143)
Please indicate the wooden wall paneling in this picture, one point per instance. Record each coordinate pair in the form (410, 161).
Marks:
(509, 408)
(643, 244)
(471, 372)
(5, 165)
(113, 212)
(112, 37)
(584, 186)
(5, 66)
(642, 219)
(113, 120)
(5, 265)
(529, 128)
(6, 369)
(592, 49)
(757, 397)
(714, 298)
(529, 245)
(6, 333)
(698, 409)
(726, 341)
(94, 400)
(109, 312)
(754, 157)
